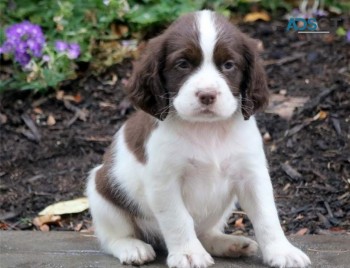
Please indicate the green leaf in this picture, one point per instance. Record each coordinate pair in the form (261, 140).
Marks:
(52, 78)
(341, 31)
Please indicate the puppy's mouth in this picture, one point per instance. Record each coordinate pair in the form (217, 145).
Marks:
(207, 111)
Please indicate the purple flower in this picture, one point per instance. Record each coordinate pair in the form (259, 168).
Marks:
(61, 46)
(320, 13)
(46, 58)
(22, 58)
(348, 36)
(73, 51)
(24, 40)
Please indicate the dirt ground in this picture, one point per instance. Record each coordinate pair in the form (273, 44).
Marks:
(50, 142)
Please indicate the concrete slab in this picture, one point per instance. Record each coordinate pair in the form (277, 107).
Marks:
(69, 249)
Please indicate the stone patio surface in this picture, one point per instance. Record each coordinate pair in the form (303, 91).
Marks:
(69, 249)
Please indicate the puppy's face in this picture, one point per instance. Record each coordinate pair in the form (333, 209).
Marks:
(202, 69)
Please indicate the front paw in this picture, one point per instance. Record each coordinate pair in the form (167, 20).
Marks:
(285, 255)
(133, 251)
(189, 257)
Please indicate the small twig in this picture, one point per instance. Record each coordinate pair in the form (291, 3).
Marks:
(317, 173)
(79, 113)
(34, 178)
(336, 125)
(312, 103)
(330, 213)
(284, 60)
(97, 139)
(71, 122)
(42, 100)
(291, 172)
(31, 125)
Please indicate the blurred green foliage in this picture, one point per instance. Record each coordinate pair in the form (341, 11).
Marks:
(69, 20)
(89, 22)
(146, 13)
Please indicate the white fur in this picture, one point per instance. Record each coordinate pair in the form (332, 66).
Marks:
(206, 79)
(195, 170)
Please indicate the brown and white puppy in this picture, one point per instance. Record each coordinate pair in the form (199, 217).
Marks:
(176, 167)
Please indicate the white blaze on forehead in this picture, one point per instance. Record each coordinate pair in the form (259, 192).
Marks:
(207, 33)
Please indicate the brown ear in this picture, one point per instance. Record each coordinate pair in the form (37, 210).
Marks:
(254, 91)
(145, 87)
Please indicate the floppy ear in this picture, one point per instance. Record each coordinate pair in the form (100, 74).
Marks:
(254, 91)
(145, 87)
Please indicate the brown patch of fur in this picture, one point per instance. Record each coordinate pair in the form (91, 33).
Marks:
(255, 94)
(110, 191)
(138, 128)
(155, 80)
(248, 78)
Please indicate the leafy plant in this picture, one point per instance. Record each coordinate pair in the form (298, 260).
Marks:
(148, 13)
(37, 65)
(76, 21)
(337, 6)
(79, 23)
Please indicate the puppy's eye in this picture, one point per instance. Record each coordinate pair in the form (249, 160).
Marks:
(183, 64)
(228, 65)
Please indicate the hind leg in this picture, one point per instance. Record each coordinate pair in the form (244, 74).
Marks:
(224, 245)
(115, 229)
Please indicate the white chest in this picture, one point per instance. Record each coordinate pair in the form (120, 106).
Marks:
(207, 189)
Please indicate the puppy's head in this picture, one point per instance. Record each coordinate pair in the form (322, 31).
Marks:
(201, 68)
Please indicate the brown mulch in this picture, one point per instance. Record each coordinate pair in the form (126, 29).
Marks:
(49, 142)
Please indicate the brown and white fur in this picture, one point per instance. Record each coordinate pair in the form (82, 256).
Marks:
(176, 167)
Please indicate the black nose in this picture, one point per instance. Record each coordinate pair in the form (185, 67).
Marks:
(207, 98)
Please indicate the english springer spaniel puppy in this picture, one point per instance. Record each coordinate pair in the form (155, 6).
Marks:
(176, 167)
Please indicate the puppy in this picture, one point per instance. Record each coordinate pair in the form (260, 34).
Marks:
(176, 167)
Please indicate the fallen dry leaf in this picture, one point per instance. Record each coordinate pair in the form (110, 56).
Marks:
(3, 118)
(286, 187)
(60, 94)
(83, 114)
(283, 92)
(267, 137)
(302, 232)
(239, 223)
(45, 219)
(254, 16)
(104, 104)
(51, 120)
(284, 105)
(78, 98)
(66, 207)
(44, 228)
(4, 226)
(337, 229)
(321, 115)
(37, 110)
(78, 227)
(111, 82)
(119, 30)
(260, 46)
(299, 217)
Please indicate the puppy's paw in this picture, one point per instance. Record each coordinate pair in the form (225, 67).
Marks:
(285, 255)
(190, 257)
(231, 246)
(133, 251)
